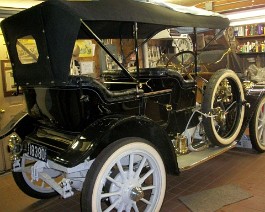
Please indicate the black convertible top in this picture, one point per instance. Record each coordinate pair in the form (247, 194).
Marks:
(55, 25)
(150, 17)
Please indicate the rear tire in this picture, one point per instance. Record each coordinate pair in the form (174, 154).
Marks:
(129, 174)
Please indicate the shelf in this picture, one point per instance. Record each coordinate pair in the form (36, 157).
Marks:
(250, 53)
(250, 36)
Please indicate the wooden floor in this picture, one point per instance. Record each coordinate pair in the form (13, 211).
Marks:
(239, 167)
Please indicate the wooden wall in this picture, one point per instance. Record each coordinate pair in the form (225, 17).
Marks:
(231, 5)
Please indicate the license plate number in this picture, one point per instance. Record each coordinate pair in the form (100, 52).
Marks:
(37, 151)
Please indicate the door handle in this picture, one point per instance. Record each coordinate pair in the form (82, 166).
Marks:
(2, 111)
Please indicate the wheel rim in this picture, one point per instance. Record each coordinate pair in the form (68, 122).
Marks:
(132, 181)
(40, 185)
(261, 126)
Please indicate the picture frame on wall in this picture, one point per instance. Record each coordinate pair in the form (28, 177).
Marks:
(86, 48)
(9, 86)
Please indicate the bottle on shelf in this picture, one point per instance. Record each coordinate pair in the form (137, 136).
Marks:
(262, 46)
(260, 29)
(250, 30)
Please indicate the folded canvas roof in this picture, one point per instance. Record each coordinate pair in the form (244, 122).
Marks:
(55, 25)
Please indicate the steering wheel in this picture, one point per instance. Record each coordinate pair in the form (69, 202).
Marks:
(182, 61)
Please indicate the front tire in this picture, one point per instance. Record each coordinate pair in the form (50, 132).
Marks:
(257, 127)
(223, 100)
(129, 174)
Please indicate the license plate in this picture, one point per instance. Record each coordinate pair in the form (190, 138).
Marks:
(37, 151)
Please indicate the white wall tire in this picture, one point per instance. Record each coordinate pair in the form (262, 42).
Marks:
(36, 189)
(127, 175)
(232, 111)
(257, 127)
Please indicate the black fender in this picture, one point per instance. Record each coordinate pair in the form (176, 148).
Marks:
(21, 124)
(105, 131)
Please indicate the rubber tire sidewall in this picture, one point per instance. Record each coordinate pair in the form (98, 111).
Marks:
(207, 104)
(253, 127)
(89, 192)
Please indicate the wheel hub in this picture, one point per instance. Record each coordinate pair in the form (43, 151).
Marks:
(220, 117)
(224, 91)
(130, 189)
(137, 193)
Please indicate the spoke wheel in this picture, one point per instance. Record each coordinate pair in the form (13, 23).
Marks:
(128, 175)
(223, 100)
(36, 189)
(257, 127)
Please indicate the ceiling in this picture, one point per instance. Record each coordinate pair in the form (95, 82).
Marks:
(18, 3)
(187, 2)
(10, 7)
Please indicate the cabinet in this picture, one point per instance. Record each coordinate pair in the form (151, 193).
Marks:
(250, 48)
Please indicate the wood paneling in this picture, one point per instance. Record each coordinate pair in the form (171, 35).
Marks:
(232, 5)
(186, 2)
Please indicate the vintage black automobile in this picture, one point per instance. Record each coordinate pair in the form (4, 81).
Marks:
(114, 135)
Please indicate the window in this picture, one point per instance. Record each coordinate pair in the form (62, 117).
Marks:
(27, 50)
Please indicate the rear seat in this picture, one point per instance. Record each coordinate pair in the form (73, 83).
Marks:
(107, 95)
(154, 72)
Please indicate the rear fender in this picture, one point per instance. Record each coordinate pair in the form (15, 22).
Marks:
(21, 124)
(109, 129)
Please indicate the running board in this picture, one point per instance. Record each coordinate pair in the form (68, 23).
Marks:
(193, 159)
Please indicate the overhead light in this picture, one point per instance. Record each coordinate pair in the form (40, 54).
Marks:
(19, 4)
(246, 17)
(247, 22)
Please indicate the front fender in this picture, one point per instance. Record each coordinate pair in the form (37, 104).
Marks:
(103, 132)
(22, 124)
(252, 96)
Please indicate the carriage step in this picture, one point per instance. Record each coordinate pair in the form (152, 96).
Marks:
(192, 159)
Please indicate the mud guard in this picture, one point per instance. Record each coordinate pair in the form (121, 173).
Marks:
(253, 97)
(22, 124)
(103, 132)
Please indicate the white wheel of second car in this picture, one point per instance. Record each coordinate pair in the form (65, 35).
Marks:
(128, 175)
(257, 127)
